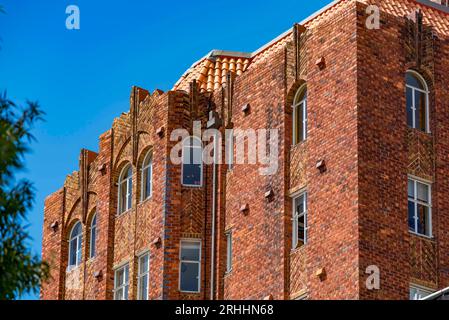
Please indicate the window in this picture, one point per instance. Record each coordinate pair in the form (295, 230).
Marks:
(125, 190)
(147, 176)
(418, 293)
(93, 237)
(190, 266)
(143, 277)
(75, 245)
(192, 162)
(300, 115)
(419, 208)
(230, 148)
(417, 96)
(121, 283)
(228, 252)
(300, 220)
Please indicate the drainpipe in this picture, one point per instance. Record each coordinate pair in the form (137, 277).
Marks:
(214, 122)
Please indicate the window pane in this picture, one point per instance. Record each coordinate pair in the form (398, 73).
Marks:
(143, 287)
(123, 196)
(192, 174)
(423, 220)
(229, 252)
(189, 276)
(409, 97)
(420, 112)
(301, 229)
(423, 192)
(73, 249)
(129, 195)
(411, 216)
(411, 189)
(413, 81)
(118, 294)
(143, 264)
(190, 251)
(299, 202)
(148, 180)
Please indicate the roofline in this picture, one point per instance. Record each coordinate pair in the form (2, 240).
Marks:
(287, 32)
(434, 5)
(214, 53)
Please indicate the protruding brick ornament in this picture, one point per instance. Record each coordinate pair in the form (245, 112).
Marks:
(102, 168)
(321, 165)
(269, 194)
(244, 209)
(321, 63)
(321, 274)
(157, 242)
(98, 274)
(246, 108)
(160, 131)
(269, 297)
(54, 226)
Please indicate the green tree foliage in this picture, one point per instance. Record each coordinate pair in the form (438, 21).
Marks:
(20, 271)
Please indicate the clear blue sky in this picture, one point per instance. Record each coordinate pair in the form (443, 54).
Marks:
(82, 78)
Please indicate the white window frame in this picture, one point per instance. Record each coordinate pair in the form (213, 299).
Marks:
(415, 200)
(129, 197)
(93, 244)
(141, 275)
(190, 261)
(79, 246)
(144, 177)
(296, 105)
(426, 93)
(229, 251)
(192, 146)
(420, 292)
(125, 285)
(295, 219)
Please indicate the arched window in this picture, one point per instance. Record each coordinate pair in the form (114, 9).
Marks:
(417, 101)
(75, 245)
(125, 190)
(93, 237)
(192, 162)
(147, 176)
(300, 115)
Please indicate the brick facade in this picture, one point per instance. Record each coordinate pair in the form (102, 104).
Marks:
(357, 207)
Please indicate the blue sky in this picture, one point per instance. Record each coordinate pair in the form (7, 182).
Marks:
(82, 78)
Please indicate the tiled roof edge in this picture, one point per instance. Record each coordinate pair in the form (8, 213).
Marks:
(289, 31)
(434, 5)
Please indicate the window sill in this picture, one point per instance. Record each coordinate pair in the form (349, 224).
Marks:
(190, 292)
(118, 215)
(72, 269)
(297, 249)
(423, 236)
(146, 200)
(191, 186)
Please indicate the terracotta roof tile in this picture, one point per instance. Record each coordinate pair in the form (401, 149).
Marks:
(210, 72)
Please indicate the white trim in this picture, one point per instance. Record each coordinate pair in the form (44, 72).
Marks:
(190, 261)
(192, 146)
(295, 106)
(141, 275)
(295, 220)
(421, 289)
(125, 284)
(79, 247)
(143, 177)
(93, 245)
(229, 251)
(417, 202)
(426, 92)
(129, 195)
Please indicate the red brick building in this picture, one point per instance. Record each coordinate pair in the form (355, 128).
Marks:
(362, 109)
